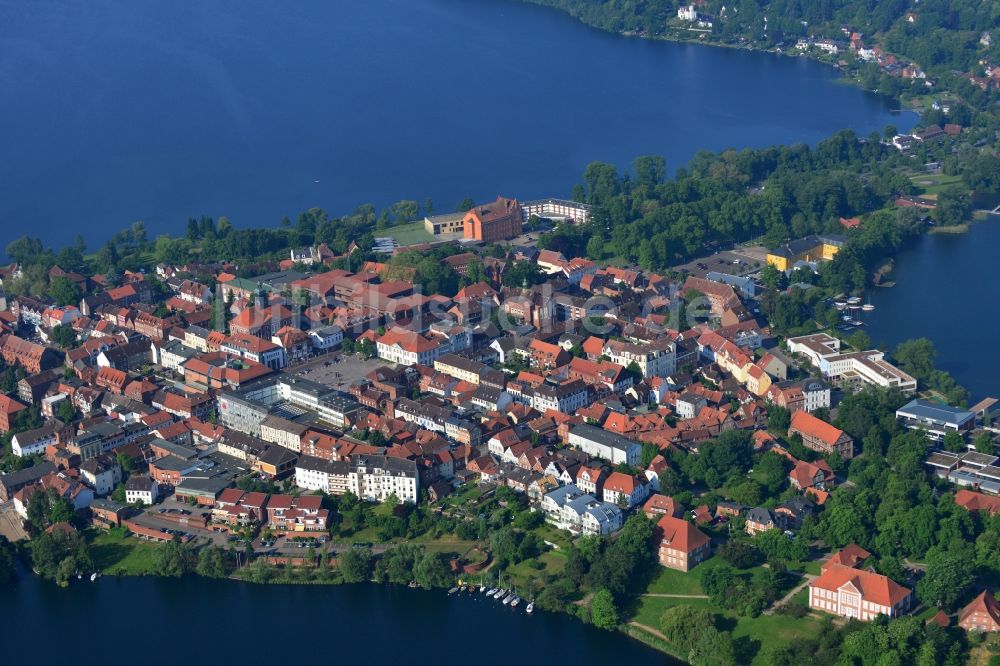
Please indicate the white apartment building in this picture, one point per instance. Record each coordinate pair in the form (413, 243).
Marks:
(656, 360)
(372, 478)
(603, 444)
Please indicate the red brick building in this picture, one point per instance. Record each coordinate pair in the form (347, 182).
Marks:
(682, 545)
(982, 614)
(9, 409)
(819, 435)
(497, 221)
(30, 356)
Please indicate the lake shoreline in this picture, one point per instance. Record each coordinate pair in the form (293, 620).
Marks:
(235, 157)
(844, 77)
(626, 629)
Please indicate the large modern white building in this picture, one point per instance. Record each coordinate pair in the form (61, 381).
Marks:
(603, 444)
(869, 367)
(556, 209)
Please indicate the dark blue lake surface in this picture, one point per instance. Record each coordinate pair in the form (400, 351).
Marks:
(113, 111)
(201, 621)
(946, 291)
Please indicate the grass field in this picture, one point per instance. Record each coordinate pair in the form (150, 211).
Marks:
(115, 553)
(445, 544)
(671, 581)
(407, 234)
(464, 496)
(520, 574)
(931, 184)
(753, 636)
(647, 610)
(756, 635)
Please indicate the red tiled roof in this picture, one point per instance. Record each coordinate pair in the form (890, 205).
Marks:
(682, 535)
(620, 482)
(850, 555)
(973, 501)
(807, 424)
(874, 588)
(10, 406)
(984, 603)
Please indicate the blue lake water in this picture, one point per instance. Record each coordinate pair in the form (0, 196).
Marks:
(113, 111)
(945, 292)
(201, 621)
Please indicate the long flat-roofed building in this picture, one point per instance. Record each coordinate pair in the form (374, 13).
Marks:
(935, 418)
(869, 367)
(604, 444)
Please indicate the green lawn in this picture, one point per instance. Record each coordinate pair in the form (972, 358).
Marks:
(520, 574)
(766, 631)
(115, 553)
(647, 610)
(931, 184)
(406, 234)
(671, 581)
(464, 496)
(366, 535)
(550, 534)
(447, 543)
(813, 567)
(752, 635)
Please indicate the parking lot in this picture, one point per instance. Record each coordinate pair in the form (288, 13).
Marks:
(290, 547)
(338, 370)
(154, 519)
(739, 261)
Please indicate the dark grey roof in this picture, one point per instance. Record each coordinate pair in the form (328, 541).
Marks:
(106, 504)
(935, 412)
(340, 467)
(278, 456)
(395, 466)
(27, 475)
(602, 436)
(139, 482)
(797, 505)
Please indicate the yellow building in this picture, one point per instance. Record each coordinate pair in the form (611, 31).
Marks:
(452, 223)
(810, 248)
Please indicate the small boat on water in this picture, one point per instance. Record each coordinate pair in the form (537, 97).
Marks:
(516, 600)
(490, 592)
(453, 590)
(508, 598)
(93, 577)
(530, 608)
(500, 593)
(854, 300)
(840, 305)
